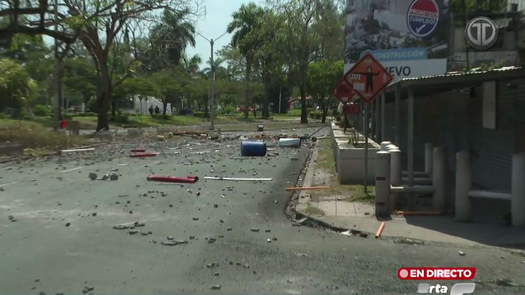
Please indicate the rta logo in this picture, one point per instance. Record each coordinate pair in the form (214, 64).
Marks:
(481, 32)
(457, 289)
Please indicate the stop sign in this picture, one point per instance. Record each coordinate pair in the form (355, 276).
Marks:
(343, 91)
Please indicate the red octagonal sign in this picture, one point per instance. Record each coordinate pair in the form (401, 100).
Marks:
(368, 78)
(343, 92)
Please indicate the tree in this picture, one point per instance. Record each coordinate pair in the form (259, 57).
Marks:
(298, 41)
(323, 76)
(79, 78)
(236, 62)
(171, 36)
(16, 86)
(267, 56)
(245, 21)
(171, 85)
(97, 24)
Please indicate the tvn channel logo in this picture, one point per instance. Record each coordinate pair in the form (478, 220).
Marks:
(457, 289)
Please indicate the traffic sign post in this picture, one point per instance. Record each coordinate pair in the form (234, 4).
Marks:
(343, 91)
(367, 78)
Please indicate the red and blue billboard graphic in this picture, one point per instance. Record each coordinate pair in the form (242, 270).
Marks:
(422, 17)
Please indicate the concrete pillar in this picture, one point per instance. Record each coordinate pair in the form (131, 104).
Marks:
(439, 176)
(518, 190)
(377, 113)
(463, 185)
(384, 146)
(383, 184)
(383, 135)
(410, 145)
(395, 167)
(429, 151)
(397, 116)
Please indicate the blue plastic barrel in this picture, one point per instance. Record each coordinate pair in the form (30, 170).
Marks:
(253, 149)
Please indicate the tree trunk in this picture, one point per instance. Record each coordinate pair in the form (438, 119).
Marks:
(304, 116)
(324, 107)
(113, 107)
(266, 99)
(247, 87)
(103, 97)
(164, 106)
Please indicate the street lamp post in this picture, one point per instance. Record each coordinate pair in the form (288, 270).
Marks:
(212, 80)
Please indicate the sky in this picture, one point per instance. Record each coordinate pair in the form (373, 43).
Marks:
(213, 24)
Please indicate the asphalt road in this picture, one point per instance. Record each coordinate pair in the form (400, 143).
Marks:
(40, 253)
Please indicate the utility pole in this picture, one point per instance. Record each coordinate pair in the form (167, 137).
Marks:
(212, 80)
(212, 88)
(280, 94)
(56, 103)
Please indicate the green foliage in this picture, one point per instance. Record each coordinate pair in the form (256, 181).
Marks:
(200, 115)
(16, 86)
(323, 76)
(92, 105)
(120, 119)
(41, 110)
(85, 114)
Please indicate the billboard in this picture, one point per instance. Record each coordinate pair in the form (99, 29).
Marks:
(408, 37)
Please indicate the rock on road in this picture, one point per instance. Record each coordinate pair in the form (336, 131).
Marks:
(57, 230)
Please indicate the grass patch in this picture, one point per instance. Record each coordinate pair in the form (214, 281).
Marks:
(325, 159)
(359, 195)
(35, 136)
(148, 121)
(351, 193)
(312, 210)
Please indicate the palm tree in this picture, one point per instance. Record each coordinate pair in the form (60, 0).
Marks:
(245, 21)
(217, 65)
(192, 64)
(172, 36)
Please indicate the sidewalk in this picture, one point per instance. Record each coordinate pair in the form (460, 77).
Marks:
(334, 207)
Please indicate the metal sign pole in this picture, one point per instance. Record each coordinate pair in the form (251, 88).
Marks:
(366, 147)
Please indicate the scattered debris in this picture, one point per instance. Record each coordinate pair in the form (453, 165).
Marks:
(70, 170)
(408, 241)
(380, 230)
(143, 155)
(68, 224)
(189, 179)
(238, 179)
(254, 229)
(363, 235)
(77, 150)
(93, 176)
(216, 287)
(113, 176)
(306, 188)
(87, 289)
(461, 253)
(174, 242)
(105, 177)
(290, 142)
(139, 150)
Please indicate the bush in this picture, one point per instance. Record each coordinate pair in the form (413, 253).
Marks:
(316, 115)
(89, 114)
(120, 119)
(200, 115)
(161, 117)
(41, 110)
(92, 105)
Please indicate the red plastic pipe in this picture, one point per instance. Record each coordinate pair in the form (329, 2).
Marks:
(143, 155)
(192, 177)
(138, 150)
(172, 179)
